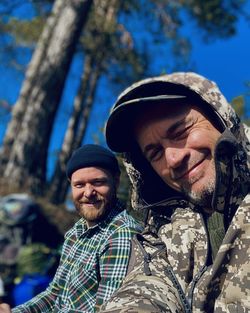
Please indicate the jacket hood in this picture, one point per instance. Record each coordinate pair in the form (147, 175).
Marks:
(232, 154)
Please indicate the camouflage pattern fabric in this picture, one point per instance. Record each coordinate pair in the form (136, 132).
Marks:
(169, 269)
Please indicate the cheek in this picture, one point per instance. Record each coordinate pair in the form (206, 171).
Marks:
(105, 192)
(162, 170)
(204, 138)
(76, 194)
(196, 140)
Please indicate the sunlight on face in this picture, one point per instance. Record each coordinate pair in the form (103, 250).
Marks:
(94, 193)
(179, 143)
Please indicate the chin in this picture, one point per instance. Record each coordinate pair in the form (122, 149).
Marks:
(202, 198)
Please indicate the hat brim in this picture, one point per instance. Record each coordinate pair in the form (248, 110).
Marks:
(120, 124)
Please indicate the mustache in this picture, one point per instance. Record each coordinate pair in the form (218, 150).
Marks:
(187, 166)
(93, 199)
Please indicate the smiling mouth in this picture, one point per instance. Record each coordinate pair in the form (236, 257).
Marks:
(186, 174)
(90, 203)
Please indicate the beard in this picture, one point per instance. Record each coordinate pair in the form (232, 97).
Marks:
(202, 197)
(100, 209)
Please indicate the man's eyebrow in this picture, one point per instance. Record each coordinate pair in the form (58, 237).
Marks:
(177, 124)
(102, 178)
(76, 181)
(92, 180)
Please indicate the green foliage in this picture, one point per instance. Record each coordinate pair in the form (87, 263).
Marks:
(241, 103)
(120, 34)
(34, 258)
(112, 44)
(25, 32)
(217, 17)
(238, 104)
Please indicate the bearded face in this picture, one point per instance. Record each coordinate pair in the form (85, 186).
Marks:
(94, 193)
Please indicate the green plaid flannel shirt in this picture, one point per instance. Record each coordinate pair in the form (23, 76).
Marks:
(92, 265)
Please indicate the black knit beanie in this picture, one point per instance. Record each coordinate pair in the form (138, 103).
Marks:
(92, 155)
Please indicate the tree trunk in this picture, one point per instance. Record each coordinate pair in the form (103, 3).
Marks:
(19, 108)
(87, 108)
(84, 100)
(105, 12)
(41, 94)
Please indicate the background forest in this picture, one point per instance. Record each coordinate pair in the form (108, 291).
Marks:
(71, 58)
(62, 65)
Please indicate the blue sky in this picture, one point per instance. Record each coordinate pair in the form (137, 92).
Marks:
(226, 61)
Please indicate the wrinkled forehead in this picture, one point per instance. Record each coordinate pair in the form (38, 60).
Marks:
(158, 112)
(169, 116)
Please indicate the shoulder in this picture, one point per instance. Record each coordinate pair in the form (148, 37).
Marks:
(73, 230)
(125, 220)
(122, 225)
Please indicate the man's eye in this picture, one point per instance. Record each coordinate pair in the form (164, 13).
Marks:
(99, 182)
(180, 134)
(154, 155)
(78, 185)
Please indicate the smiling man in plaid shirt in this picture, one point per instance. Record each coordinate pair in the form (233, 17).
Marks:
(96, 249)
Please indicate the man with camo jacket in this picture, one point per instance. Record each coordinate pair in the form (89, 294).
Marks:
(187, 155)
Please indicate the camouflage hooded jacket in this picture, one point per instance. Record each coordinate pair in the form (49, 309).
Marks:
(169, 269)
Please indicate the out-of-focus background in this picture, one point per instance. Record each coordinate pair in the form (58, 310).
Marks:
(62, 65)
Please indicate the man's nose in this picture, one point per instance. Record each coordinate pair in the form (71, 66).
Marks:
(175, 156)
(89, 190)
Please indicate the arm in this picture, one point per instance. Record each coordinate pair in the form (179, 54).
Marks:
(43, 302)
(148, 287)
(113, 263)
